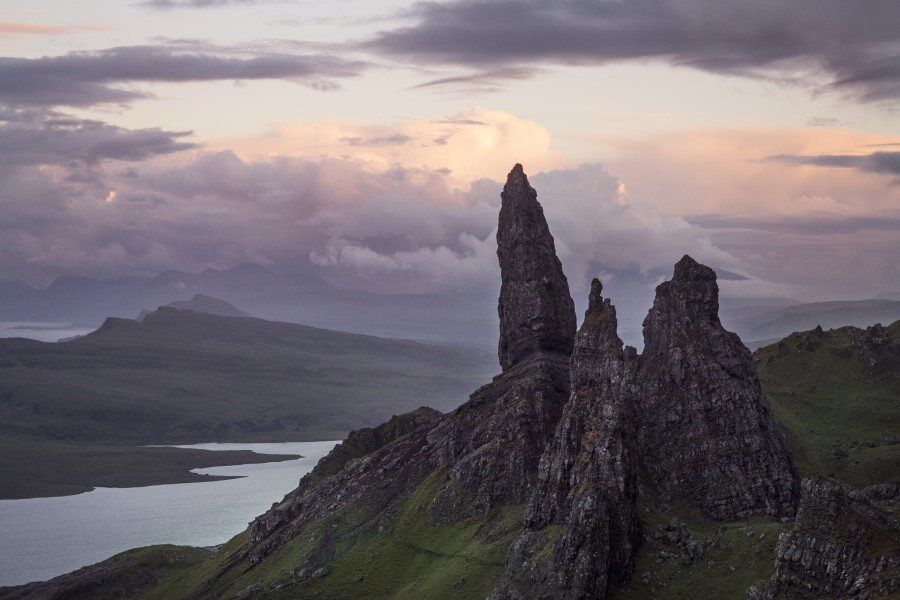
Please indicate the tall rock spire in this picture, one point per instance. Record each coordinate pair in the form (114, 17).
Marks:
(536, 311)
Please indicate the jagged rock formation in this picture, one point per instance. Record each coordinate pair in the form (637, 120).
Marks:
(576, 442)
(586, 479)
(844, 544)
(536, 310)
(683, 422)
(707, 437)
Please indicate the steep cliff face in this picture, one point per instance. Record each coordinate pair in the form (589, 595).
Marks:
(845, 543)
(536, 310)
(707, 438)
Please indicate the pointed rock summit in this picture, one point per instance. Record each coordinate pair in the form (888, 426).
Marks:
(536, 311)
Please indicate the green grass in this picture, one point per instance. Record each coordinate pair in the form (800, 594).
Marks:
(841, 418)
(372, 554)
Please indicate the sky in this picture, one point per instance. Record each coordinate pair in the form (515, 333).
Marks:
(367, 141)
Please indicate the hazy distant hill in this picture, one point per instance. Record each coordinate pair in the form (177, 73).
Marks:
(183, 376)
(202, 303)
(755, 322)
(293, 297)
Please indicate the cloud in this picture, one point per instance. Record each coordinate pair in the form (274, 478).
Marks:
(397, 139)
(882, 163)
(472, 144)
(97, 77)
(20, 29)
(172, 4)
(480, 81)
(59, 140)
(856, 44)
(725, 171)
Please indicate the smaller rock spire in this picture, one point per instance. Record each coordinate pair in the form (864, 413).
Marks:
(536, 311)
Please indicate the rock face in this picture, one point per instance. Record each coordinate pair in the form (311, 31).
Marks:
(536, 310)
(685, 422)
(707, 437)
(587, 484)
(844, 544)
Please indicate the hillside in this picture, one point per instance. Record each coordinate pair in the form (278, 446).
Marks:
(292, 297)
(182, 376)
(838, 393)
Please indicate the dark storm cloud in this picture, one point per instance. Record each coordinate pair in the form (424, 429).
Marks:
(56, 140)
(87, 78)
(882, 163)
(856, 43)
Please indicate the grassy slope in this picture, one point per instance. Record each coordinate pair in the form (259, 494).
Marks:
(184, 377)
(394, 555)
(122, 576)
(32, 468)
(842, 419)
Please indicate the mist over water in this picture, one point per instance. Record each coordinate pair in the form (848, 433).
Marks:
(41, 538)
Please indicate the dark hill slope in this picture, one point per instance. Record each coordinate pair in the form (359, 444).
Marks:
(182, 376)
(838, 394)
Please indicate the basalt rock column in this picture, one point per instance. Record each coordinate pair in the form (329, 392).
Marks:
(536, 311)
(707, 437)
(587, 483)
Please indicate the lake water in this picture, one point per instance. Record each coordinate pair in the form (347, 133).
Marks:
(41, 538)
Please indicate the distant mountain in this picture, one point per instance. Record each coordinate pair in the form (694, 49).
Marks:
(184, 376)
(291, 297)
(756, 323)
(202, 303)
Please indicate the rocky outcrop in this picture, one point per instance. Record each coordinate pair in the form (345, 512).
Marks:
(845, 544)
(536, 311)
(878, 350)
(361, 442)
(587, 483)
(707, 438)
